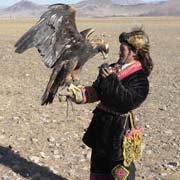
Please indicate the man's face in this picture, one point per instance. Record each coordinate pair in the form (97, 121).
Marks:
(124, 53)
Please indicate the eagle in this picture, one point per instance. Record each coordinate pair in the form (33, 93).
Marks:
(61, 47)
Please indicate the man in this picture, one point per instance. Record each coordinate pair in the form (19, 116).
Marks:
(120, 87)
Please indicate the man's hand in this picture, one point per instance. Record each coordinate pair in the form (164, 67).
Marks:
(106, 71)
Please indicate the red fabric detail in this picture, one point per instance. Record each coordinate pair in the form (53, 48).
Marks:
(84, 95)
(119, 173)
(127, 71)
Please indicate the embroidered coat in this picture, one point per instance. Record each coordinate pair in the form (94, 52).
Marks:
(118, 94)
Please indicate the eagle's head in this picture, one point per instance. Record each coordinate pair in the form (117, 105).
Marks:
(101, 46)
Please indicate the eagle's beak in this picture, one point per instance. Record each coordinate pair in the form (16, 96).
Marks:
(105, 51)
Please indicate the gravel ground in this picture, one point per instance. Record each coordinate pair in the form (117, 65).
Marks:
(42, 143)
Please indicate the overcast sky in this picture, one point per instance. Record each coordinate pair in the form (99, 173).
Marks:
(11, 2)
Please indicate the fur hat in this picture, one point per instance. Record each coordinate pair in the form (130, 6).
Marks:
(138, 39)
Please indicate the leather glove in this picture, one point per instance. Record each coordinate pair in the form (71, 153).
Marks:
(64, 95)
(72, 92)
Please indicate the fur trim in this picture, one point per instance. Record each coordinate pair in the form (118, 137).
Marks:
(137, 39)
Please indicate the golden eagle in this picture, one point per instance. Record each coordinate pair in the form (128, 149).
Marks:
(61, 46)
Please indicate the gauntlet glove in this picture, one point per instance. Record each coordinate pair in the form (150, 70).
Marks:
(72, 92)
(79, 94)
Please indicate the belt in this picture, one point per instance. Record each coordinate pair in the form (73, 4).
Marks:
(110, 110)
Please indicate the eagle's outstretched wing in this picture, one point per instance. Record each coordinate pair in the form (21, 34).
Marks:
(61, 46)
(52, 35)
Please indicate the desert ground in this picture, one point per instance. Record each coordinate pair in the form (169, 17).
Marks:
(43, 143)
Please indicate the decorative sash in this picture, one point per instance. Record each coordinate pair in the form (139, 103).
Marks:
(132, 68)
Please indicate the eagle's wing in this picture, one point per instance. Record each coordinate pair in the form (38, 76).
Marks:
(52, 35)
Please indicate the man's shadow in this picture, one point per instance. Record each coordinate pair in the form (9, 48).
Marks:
(25, 168)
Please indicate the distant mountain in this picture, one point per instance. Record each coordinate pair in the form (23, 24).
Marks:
(128, 2)
(135, 2)
(169, 8)
(100, 8)
(23, 6)
(23, 9)
(90, 8)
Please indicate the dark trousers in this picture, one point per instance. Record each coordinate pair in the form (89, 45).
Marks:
(102, 167)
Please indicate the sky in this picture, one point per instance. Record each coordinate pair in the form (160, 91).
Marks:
(6, 3)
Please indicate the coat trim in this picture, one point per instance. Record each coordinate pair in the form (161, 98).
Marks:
(128, 70)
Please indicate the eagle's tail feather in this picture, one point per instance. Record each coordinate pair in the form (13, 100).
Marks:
(47, 98)
(56, 79)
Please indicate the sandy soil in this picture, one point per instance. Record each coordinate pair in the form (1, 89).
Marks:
(42, 143)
